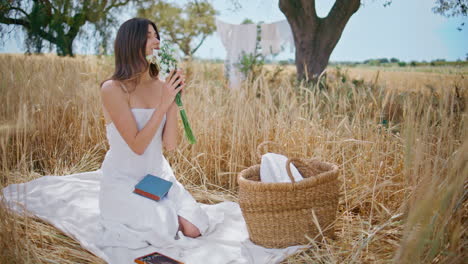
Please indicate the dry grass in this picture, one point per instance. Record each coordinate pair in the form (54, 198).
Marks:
(402, 155)
(405, 80)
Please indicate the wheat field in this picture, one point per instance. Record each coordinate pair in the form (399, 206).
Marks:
(402, 153)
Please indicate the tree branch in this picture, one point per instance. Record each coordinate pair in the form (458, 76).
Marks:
(197, 5)
(50, 6)
(114, 4)
(78, 21)
(310, 5)
(333, 25)
(341, 11)
(19, 9)
(196, 48)
(47, 36)
(295, 8)
(15, 21)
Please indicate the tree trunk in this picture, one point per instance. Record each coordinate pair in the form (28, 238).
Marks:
(65, 47)
(315, 37)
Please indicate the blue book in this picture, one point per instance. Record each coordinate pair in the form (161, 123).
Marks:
(152, 187)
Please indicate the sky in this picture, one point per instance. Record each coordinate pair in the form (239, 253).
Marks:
(407, 30)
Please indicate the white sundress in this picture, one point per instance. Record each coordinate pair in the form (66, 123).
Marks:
(129, 218)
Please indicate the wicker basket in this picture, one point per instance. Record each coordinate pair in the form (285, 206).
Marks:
(280, 214)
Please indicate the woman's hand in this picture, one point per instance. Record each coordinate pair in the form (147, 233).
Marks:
(183, 81)
(169, 90)
(182, 77)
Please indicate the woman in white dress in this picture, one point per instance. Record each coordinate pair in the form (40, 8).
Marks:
(141, 118)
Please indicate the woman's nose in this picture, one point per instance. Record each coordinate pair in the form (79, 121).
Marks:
(157, 43)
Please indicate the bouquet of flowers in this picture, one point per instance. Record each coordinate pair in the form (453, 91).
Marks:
(165, 62)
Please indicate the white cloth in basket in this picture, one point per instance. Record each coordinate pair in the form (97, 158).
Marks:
(273, 169)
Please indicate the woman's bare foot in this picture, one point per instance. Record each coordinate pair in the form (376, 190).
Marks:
(187, 228)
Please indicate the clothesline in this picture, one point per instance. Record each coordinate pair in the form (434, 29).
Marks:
(241, 38)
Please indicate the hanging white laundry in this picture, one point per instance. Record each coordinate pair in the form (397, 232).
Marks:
(270, 39)
(236, 39)
(285, 34)
(242, 38)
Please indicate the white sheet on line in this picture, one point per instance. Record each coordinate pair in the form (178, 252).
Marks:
(236, 39)
(241, 38)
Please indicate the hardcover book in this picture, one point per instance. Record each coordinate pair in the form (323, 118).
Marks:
(152, 187)
(156, 258)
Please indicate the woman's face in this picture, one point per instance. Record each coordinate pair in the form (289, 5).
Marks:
(152, 41)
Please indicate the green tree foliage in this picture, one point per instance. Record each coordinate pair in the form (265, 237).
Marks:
(181, 25)
(247, 21)
(384, 60)
(59, 22)
(451, 8)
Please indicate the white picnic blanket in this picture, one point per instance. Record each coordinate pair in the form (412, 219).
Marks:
(70, 203)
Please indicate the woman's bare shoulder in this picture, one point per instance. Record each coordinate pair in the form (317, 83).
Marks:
(112, 94)
(110, 86)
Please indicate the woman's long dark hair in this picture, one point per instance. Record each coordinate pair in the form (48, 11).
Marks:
(130, 52)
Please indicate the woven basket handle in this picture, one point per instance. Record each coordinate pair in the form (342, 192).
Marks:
(259, 153)
(288, 168)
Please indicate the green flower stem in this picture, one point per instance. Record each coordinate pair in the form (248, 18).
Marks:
(167, 59)
(188, 130)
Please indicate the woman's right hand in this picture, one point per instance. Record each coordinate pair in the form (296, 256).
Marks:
(169, 90)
